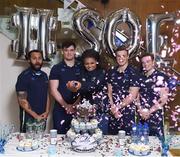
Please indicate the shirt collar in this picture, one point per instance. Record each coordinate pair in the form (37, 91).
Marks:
(75, 64)
(35, 73)
(125, 70)
(152, 74)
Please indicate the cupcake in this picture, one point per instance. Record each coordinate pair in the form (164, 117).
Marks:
(35, 145)
(74, 122)
(82, 126)
(98, 133)
(71, 134)
(21, 145)
(76, 126)
(88, 126)
(28, 145)
(94, 123)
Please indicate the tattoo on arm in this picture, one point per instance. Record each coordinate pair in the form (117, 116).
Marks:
(22, 95)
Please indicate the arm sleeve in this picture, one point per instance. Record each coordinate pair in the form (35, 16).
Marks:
(135, 79)
(162, 80)
(54, 73)
(108, 77)
(21, 84)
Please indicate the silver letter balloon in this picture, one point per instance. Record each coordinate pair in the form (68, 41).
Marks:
(112, 21)
(79, 19)
(34, 32)
(153, 23)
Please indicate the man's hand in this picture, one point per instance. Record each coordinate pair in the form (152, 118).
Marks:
(114, 108)
(118, 115)
(144, 113)
(70, 109)
(73, 86)
(38, 117)
(44, 115)
(115, 111)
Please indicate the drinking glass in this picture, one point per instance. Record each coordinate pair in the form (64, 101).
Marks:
(29, 130)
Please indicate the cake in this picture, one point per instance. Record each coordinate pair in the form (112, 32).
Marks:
(139, 149)
(27, 145)
(84, 133)
(84, 143)
(90, 127)
(85, 109)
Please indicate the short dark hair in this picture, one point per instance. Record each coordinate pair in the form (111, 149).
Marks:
(122, 48)
(30, 52)
(146, 55)
(67, 44)
(90, 53)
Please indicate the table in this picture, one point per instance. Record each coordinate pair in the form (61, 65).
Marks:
(109, 146)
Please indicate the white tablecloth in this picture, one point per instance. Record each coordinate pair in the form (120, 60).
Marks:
(109, 146)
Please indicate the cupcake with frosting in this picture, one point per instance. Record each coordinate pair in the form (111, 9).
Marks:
(75, 125)
(88, 126)
(21, 145)
(99, 134)
(82, 126)
(35, 144)
(28, 145)
(74, 122)
(94, 123)
(71, 134)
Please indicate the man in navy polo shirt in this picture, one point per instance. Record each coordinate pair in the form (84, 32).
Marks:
(32, 91)
(67, 70)
(153, 95)
(123, 88)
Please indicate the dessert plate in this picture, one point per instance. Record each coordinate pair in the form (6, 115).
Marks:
(84, 143)
(139, 153)
(23, 149)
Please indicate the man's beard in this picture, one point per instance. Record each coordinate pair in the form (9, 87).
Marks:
(34, 67)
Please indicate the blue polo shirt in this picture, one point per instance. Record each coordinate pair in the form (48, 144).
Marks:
(149, 91)
(36, 86)
(121, 82)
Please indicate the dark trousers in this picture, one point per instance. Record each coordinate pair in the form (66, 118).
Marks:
(155, 124)
(61, 120)
(103, 123)
(124, 123)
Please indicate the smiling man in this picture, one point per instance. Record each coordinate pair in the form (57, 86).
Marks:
(67, 70)
(153, 95)
(32, 91)
(123, 86)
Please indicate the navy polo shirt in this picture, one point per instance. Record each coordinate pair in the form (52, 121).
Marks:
(149, 88)
(149, 91)
(65, 73)
(36, 86)
(121, 82)
(92, 82)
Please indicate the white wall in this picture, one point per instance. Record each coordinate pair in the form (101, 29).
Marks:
(10, 68)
